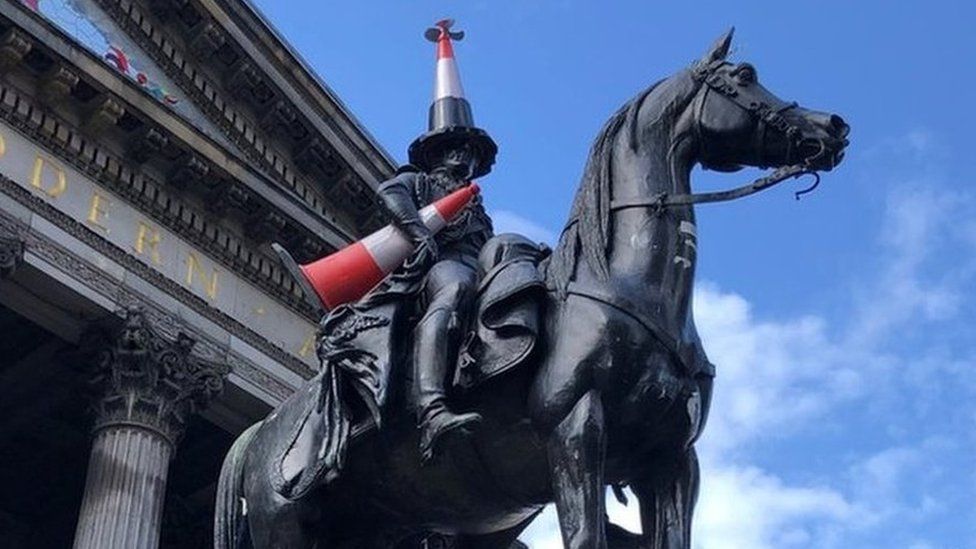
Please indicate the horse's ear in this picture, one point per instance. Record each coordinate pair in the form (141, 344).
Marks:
(720, 48)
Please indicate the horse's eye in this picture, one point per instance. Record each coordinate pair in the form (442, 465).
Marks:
(746, 74)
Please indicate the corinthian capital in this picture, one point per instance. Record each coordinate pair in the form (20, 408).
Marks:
(148, 380)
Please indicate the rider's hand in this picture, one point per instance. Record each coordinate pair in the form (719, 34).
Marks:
(427, 251)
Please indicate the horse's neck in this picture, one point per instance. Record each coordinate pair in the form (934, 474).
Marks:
(653, 253)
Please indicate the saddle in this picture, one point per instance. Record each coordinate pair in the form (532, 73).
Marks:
(508, 310)
(359, 348)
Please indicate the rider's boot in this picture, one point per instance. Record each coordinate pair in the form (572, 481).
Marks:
(431, 366)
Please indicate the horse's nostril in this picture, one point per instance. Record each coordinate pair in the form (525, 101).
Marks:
(810, 147)
(839, 126)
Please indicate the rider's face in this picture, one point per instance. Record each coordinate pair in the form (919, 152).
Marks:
(460, 162)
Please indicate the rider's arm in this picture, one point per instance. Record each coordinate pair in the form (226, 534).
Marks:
(397, 197)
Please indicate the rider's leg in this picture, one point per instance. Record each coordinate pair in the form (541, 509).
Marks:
(448, 292)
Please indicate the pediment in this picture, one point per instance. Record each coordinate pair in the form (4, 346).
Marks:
(94, 29)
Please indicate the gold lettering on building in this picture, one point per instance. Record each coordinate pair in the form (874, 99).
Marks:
(98, 211)
(308, 345)
(53, 188)
(147, 240)
(194, 269)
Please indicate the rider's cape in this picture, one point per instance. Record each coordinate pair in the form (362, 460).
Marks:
(361, 354)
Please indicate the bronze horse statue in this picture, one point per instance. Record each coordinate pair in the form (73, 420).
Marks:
(619, 388)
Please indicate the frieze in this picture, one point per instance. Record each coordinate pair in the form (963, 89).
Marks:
(167, 323)
(259, 377)
(11, 253)
(98, 280)
(164, 207)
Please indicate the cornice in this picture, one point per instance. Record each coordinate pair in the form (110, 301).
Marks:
(286, 68)
(253, 112)
(143, 116)
(168, 209)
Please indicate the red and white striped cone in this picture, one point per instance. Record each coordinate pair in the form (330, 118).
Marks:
(349, 274)
(450, 107)
(450, 121)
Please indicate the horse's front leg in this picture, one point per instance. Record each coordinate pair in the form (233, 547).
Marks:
(576, 450)
(667, 494)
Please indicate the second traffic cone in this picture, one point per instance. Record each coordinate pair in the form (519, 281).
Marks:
(349, 274)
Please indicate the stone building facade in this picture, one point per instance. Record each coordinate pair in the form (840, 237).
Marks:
(150, 152)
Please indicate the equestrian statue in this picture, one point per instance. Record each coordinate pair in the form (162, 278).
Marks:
(487, 376)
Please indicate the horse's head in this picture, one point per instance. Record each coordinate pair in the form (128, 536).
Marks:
(716, 114)
(739, 122)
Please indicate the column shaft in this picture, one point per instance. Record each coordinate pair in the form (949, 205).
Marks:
(124, 492)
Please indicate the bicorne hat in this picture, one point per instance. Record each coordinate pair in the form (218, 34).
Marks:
(450, 121)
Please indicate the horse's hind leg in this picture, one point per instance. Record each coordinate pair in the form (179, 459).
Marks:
(576, 456)
(667, 496)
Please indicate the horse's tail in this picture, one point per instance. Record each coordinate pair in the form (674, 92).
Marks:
(230, 523)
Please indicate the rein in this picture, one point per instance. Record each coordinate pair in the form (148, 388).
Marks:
(664, 199)
(768, 116)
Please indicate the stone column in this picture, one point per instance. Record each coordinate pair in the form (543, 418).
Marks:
(148, 386)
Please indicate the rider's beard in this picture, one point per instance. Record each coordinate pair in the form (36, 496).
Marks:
(449, 179)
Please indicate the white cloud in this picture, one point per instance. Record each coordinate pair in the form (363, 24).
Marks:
(772, 376)
(746, 507)
(924, 230)
(918, 144)
(506, 221)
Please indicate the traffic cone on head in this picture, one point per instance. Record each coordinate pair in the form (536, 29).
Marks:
(349, 274)
(450, 122)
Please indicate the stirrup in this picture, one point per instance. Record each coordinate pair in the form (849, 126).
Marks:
(434, 431)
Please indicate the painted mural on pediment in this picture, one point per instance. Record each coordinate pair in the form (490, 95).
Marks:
(94, 29)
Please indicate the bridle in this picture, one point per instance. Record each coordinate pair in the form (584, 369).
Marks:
(768, 116)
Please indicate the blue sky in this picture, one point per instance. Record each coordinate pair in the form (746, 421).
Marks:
(841, 325)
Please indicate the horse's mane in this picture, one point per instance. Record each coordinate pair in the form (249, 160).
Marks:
(588, 231)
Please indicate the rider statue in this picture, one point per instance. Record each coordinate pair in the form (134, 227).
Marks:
(447, 157)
